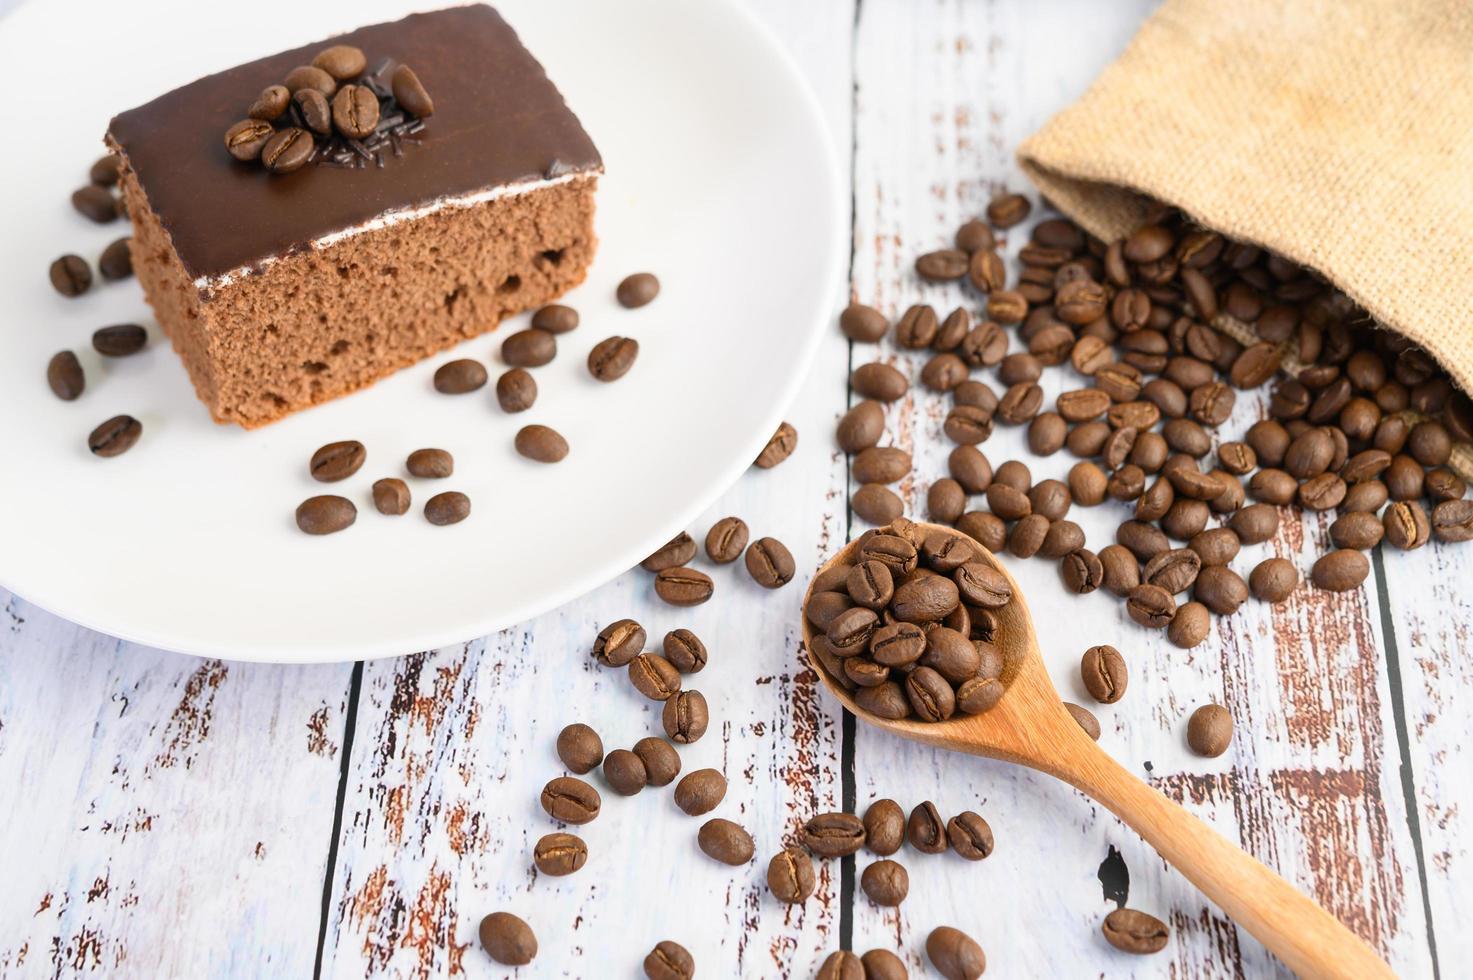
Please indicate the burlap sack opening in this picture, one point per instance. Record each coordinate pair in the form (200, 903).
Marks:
(1338, 134)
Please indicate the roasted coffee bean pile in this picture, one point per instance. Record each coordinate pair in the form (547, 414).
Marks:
(337, 461)
(1367, 421)
(333, 112)
(768, 561)
(910, 626)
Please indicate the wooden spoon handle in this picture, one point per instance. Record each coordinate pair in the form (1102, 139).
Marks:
(1311, 941)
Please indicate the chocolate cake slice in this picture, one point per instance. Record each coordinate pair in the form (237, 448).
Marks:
(281, 290)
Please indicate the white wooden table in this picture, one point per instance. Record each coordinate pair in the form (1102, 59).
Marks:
(165, 816)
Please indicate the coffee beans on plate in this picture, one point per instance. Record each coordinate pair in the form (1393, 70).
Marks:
(337, 461)
(116, 261)
(450, 507)
(391, 496)
(611, 359)
(778, 448)
(637, 290)
(430, 464)
(325, 514)
(65, 377)
(71, 275)
(516, 390)
(459, 377)
(541, 444)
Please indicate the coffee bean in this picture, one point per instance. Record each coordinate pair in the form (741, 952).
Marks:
(337, 461)
(1407, 526)
(974, 236)
(64, 376)
(881, 964)
(637, 290)
(1135, 932)
(944, 265)
(430, 464)
(1273, 579)
(288, 150)
(790, 876)
(669, 961)
(1340, 571)
(1174, 570)
(863, 323)
(1027, 535)
(315, 110)
(1083, 571)
(879, 381)
(885, 882)
(968, 425)
(954, 954)
(1452, 521)
(556, 319)
(460, 376)
(559, 854)
(725, 842)
(778, 448)
(1020, 403)
(97, 204)
(1103, 671)
(308, 76)
(949, 336)
(1189, 625)
(341, 61)
(685, 717)
(1367, 496)
(1145, 541)
(1405, 478)
(943, 372)
(570, 800)
(945, 501)
(1007, 210)
(116, 261)
(71, 275)
(611, 359)
(1220, 589)
(541, 444)
(117, 435)
(354, 111)
(969, 835)
(861, 427)
(685, 650)
(1006, 306)
(624, 772)
(661, 761)
(931, 696)
(876, 504)
(925, 829)
(1210, 730)
(390, 496)
(516, 390)
(770, 563)
(677, 551)
(410, 93)
(1443, 484)
(654, 676)
(841, 965)
(507, 939)
(618, 643)
(449, 507)
(1085, 719)
(580, 748)
(1150, 605)
(104, 170)
(325, 514)
(532, 347)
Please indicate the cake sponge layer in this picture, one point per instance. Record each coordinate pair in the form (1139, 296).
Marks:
(324, 321)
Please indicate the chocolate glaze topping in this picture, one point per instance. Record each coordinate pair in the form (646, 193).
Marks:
(498, 120)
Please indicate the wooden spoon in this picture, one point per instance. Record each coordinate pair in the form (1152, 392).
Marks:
(1031, 727)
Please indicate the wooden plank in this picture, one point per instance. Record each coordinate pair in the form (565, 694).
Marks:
(1431, 617)
(1310, 785)
(164, 815)
(453, 747)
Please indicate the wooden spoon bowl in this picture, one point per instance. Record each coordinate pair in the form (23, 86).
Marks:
(1030, 726)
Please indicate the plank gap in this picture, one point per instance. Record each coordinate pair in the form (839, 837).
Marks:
(350, 724)
(1404, 747)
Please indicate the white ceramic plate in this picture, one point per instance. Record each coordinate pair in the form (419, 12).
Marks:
(721, 180)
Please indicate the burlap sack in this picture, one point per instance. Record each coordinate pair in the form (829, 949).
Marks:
(1338, 133)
